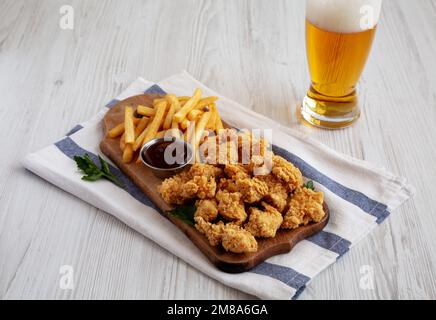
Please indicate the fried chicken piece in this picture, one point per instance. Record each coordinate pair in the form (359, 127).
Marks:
(221, 149)
(236, 171)
(206, 187)
(252, 189)
(178, 189)
(305, 207)
(287, 173)
(227, 185)
(231, 206)
(277, 193)
(264, 223)
(250, 145)
(213, 232)
(260, 165)
(207, 209)
(236, 239)
(207, 170)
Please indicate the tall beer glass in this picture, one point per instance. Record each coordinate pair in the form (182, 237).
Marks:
(339, 36)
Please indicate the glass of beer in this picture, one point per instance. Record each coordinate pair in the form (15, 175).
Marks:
(339, 36)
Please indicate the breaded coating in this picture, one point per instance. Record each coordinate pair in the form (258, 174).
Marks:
(178, 189)
(305, 207)
(207, 170)
(236, 239)
(227, 185)
(231, 206)
(264, 223)
(260, 165)
(252, 189)
(250, 145)
(213, 232)
(236, 171)
(277, 193)
(206, 187)
(207, 209)
(287, 173)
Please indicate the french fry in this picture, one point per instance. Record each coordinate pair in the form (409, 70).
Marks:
(145, 111)
(174, 100)
(205, 102)
(189, 105)
(212, 120)
(199, 130)
(129, 129)
(122, 143)
(141, 126)
(140, 139)
(157, 101)
(194, 114)
(183, 98)
(118, 130)
(174, 107)
(161, 134)
(128, 153)
(184, 124)
(156, 123)
(190, 131)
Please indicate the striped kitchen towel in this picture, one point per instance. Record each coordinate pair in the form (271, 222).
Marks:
(359, 196)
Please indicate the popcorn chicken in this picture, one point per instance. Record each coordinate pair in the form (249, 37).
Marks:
(178, 189)
(206, 187)
(236, 239)
(277, 194)
(213, 232)
(287, 173)
(264, 223)
(207, 209)
(207, 170)
(252, 189)
(305, 206)
(231, 206)
(236, 171)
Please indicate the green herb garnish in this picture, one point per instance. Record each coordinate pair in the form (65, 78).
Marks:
(309, 185)
(185, 213)
(93, 172)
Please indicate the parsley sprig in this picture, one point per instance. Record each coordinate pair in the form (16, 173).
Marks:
(185, 213)
(309, 185)
(93, 172)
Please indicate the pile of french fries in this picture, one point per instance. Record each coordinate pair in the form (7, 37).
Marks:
(191, 118)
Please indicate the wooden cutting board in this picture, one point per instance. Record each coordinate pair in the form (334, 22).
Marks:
(284, 241)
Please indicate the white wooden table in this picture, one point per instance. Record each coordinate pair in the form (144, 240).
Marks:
(250, 51)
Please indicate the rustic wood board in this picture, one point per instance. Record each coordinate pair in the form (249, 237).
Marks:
(230, 262)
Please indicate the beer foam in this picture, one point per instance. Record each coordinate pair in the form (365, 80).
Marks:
(344, 16)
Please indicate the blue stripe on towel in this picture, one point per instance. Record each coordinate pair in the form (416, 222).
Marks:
(155, 89)
(368, 205)
(71, 149)
(284, 274)
(331, 242)
(112, 103)
(74, 130)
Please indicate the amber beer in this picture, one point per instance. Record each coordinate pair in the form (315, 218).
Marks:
(338, 43)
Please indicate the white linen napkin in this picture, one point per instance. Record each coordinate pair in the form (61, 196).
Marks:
(359, 195)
